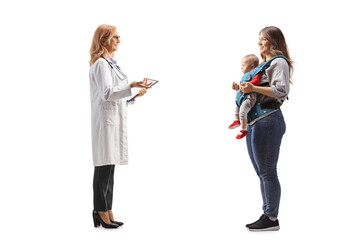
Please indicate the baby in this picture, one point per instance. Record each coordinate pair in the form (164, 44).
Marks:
(244, 102)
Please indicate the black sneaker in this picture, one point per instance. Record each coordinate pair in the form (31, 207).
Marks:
(264, 224)
(260, 219)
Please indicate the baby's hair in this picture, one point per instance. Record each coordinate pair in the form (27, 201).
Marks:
(251, 59)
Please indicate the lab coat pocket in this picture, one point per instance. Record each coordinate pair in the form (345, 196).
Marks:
(110, 113)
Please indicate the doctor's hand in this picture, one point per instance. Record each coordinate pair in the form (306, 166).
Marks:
(142, 84)
(246, 87)
(235, 86)
(142, 92)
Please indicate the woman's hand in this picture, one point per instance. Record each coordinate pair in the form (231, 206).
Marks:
(235, 86)
(143, 84)
(246, 87)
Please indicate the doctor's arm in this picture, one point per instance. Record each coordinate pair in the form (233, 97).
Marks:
(140, 93)
(143, 85)
(107, 91)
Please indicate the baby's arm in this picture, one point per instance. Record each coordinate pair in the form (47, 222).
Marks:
(256, 79)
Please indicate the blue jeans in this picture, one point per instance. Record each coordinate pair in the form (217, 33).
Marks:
(263, 143)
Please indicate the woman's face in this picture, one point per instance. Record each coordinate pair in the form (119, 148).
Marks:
(114, 42)
(264, 44)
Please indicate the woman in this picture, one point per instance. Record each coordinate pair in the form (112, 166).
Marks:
(266, 131)
(109, 87)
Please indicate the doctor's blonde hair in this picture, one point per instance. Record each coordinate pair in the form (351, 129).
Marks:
(101, 36)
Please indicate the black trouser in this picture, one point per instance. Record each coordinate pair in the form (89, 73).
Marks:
(103, 187)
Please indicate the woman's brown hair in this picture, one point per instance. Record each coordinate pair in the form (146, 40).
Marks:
(102, 36)
(279, 47)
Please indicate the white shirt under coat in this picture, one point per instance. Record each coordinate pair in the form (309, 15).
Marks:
(109, 89)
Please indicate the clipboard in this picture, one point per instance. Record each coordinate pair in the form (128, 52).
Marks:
(152, 84)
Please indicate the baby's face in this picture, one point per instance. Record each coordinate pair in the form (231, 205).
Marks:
(245, 66)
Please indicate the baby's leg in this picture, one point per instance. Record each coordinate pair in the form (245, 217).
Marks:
(245, 107)
(237, 110)
(236, 122)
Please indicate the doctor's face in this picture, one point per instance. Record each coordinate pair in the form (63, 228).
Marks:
(113, 42)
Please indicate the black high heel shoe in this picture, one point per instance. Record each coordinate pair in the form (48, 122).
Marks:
(117, 223)
(97, 221)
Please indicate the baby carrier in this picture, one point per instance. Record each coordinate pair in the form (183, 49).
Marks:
(260, 108)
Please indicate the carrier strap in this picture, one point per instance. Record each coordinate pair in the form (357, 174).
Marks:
(270, 104)
(262, 108)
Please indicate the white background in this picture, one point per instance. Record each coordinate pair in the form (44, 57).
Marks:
(188, 177)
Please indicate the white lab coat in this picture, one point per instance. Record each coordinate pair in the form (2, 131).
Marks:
(108, 89)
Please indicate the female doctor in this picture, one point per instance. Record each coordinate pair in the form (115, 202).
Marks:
(108, 89)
